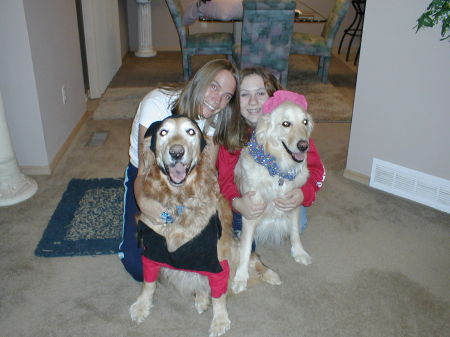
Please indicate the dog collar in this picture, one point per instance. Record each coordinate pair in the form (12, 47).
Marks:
(268, 161)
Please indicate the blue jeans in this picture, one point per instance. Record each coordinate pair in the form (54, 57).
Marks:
(237, 223)
(129, 251)
(303, 221)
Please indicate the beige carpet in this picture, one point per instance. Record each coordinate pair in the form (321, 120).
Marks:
(325, 101)
(120, 103)
(380, 268)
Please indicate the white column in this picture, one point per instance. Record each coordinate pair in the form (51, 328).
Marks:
(145, 29)
(14, 186)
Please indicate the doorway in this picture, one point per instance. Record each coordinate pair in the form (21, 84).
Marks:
(82, 46)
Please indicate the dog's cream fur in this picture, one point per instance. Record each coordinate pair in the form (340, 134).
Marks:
(290, 125)
(177, 148)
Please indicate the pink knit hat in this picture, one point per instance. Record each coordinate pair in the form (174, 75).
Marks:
(281, 96)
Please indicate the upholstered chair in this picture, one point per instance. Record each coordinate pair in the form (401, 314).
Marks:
(267, 27)
(321, 45)
(198, 43)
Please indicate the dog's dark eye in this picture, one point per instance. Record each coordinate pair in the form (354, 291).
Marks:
(286, 124)
(163, 132)
(305, 121)
(190, 132)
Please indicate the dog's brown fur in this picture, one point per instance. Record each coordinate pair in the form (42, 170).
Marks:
(200, 196)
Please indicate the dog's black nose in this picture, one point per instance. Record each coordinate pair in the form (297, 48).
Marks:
(176, 151)
(303, 145)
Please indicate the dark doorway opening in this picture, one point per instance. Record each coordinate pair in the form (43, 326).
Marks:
(82, 45)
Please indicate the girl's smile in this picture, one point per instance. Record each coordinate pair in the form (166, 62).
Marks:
(252, 96)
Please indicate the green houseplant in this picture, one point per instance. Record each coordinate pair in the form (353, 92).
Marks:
(438, 11)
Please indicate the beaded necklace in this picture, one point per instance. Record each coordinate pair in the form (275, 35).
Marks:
(268, 161)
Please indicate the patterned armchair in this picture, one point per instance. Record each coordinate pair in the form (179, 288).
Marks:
(303, 43)
(266, 36)
(199, 43)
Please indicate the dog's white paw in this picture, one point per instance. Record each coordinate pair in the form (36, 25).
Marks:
(140, 310)
(201, 303)
(301, 256)
(240, 281)
(219, 325)
(271, 277)
(239, 285)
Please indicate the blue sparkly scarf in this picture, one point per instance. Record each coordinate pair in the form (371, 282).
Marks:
(267, 160)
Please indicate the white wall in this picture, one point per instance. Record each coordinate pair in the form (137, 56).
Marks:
(18, 86)
(40, 53)
(103, 43)
(56, 63)
(401, 112)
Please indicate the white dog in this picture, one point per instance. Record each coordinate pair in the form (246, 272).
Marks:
(273, 163)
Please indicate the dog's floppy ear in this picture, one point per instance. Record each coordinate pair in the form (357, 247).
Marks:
(203, 142)
(310, 125)
(262, 129)
(151, 132)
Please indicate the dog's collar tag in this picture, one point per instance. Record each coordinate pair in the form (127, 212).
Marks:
(169, 219)
(280, 182)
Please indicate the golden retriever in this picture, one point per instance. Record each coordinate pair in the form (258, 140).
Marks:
(196, 243)
(284, 134)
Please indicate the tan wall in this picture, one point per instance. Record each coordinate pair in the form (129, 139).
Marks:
(401, 112)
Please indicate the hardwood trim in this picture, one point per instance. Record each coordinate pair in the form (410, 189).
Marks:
(358, 177)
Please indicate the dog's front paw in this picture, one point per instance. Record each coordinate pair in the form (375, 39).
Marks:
(239, 285)
(301, 256)
(140, 310)
(219, 325)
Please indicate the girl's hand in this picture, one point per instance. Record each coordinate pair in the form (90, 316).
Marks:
(248, 207)
(290, 200)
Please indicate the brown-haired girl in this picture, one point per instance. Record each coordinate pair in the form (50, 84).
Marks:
(209, 98)
(256, 86)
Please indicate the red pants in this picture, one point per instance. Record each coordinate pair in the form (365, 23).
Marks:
(218, 282)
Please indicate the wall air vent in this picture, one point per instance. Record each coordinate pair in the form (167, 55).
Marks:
(410, 184)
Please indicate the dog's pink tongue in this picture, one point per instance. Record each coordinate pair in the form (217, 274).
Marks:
(299, 156)
(177, 172)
